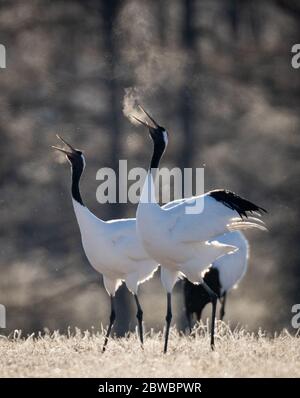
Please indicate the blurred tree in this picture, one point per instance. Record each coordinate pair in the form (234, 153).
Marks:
(187, 93)
(109, 11)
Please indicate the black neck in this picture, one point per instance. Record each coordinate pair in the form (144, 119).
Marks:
(158, 151)
(76, 174)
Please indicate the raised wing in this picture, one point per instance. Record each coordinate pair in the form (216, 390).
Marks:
(215, 216)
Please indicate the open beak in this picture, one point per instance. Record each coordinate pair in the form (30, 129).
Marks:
(140, 121)
(145, 123)
(150, 117)
(69, 153)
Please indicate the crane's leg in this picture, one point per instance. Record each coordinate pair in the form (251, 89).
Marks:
(111, 321)
(213, 298)
(222, 309)
(188, 318)
(168, 279)
(198, 316)
(168, 320)
(139, 316)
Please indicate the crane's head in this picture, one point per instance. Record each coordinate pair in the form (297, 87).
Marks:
(158, 134)
(74, 156)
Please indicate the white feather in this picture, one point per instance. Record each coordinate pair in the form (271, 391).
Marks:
(178, 240)
(114, 249)
(233, 266)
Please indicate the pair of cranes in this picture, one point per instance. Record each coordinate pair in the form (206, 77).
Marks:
(129, 250)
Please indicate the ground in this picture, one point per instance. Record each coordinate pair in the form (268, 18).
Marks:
(238, 354)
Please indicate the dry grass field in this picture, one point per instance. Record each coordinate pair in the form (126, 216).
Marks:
(238, 354)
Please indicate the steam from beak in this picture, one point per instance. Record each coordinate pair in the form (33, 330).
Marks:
(134, 111)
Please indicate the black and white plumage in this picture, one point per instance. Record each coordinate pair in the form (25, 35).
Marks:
(235, 202)
(184, 243)
(224, 274)
(112, 247)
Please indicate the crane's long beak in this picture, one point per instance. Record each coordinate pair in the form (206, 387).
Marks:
(72, 150)
(150, 117)
(61, 150)
(66, 143)
(140, 121)
(145, 122)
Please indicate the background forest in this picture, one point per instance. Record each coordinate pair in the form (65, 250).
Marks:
(216, 73)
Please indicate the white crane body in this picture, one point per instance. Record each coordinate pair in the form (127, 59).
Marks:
(232, 267)
(184, 242)
(114, 249)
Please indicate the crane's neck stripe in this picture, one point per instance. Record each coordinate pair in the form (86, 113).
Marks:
(76, 174)
(158, 151)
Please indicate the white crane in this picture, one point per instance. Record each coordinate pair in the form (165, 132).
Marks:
(184, 243)
(112, 247)
(223, 275)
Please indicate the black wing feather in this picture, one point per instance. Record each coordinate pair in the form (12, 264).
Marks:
(236, 202)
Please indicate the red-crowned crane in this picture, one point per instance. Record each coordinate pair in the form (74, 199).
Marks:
(181, 242)
(223, 275)
(112, 247)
